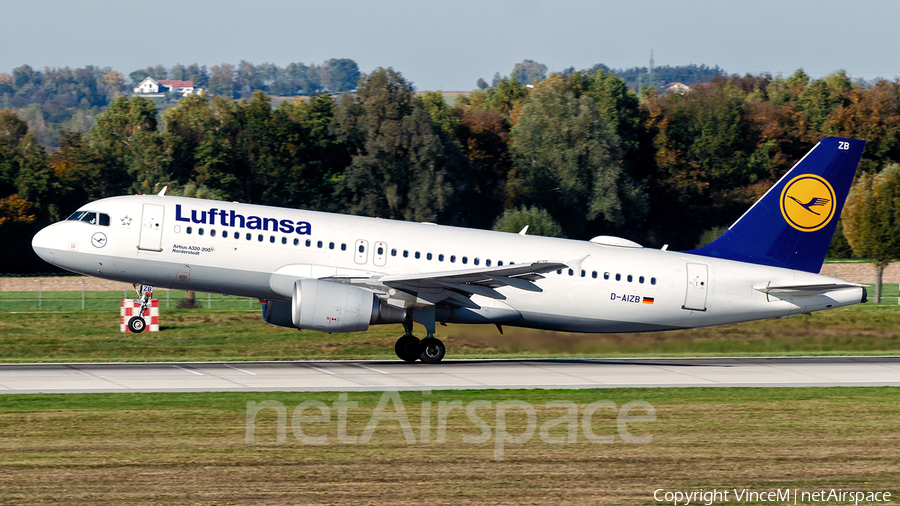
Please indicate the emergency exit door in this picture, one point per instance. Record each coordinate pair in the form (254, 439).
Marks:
(697, 287)
(151, 227)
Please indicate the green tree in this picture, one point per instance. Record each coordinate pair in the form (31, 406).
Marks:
(434, 104)
(871, 219)
(403, 165)
(569, 162)
(529, 72)
(538, 221)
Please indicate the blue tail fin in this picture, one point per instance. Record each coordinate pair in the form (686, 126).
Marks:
(792, 224)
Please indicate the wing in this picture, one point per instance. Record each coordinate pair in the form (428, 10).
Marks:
(456, 287)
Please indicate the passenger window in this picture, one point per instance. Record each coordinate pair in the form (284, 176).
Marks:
(605, 275)
(224, 234)
(582, 273)
(428, 256)
(500, 263)
(487, 262)
(259, 238)
(343, 246)
(200, 231)
(641, 279)
(452, 259)
(594, 274)
(652, 281)
(319, 244)
(475, 261)
(189, 230)
(629, 278)
(331, 245)
(405, 253)
(296, 242)
(308, 243)
(249, 237)
(212, 233)
(362, 249)
(394, 252)
(441, 257)
(272, 239)
(418, 255)
(465, 260)
(284, 240)
(571, 272)
(559, 271)
(381, 250)
(104, 220)
(618, 277)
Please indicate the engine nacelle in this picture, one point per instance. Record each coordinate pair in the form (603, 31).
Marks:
(336, 307)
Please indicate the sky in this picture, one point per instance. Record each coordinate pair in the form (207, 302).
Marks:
(448, 45)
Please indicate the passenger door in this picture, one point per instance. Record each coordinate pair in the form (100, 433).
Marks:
(697, 287)
(151, 227)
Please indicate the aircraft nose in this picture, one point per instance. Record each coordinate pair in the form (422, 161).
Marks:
(42, 243)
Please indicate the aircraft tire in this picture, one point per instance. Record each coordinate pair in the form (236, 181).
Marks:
(136, 324)
(432, 350)
(407, 348)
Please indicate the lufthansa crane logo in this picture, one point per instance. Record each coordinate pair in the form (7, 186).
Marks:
(807, 202)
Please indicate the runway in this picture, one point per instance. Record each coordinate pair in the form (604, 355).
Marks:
(452, 374)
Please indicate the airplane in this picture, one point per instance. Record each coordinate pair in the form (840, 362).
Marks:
(341, 273)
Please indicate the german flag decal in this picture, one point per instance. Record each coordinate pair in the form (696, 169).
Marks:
(648, 300)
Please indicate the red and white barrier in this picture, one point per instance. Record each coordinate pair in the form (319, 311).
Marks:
(130, 307)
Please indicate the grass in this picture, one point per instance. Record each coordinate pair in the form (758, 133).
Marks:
(242, 335)
(190, 448)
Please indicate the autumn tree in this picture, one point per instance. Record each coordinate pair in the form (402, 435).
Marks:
(871, 219)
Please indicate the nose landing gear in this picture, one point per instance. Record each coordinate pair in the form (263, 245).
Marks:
(136, 324)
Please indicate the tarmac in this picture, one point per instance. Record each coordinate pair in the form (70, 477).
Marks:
(363, 375)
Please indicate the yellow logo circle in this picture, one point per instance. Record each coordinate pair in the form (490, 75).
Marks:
(807, 202)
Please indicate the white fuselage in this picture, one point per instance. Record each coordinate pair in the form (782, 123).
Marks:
(616, 288)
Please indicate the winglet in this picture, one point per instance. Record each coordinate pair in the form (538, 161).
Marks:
(524, 230)
(791, 226)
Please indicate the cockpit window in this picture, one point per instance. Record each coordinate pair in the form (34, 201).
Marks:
(90, 217)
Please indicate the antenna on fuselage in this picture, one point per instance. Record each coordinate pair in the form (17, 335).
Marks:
(522, 232)
(162, 193)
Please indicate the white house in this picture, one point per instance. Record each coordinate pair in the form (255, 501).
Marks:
(150, 86)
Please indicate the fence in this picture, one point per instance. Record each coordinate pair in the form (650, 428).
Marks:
(85, 300)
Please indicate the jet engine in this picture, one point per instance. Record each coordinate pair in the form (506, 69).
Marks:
(335, 307)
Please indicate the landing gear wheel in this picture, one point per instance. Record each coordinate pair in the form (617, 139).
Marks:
(136, 324)
(432, 350)
(407, 348)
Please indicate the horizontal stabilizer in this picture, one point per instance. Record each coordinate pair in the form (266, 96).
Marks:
(805, 289)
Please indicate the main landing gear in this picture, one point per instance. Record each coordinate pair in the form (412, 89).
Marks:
(136, 324)
(429, 350)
